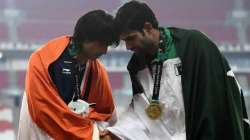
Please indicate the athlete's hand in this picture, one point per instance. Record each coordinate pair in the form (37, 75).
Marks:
(106, 135)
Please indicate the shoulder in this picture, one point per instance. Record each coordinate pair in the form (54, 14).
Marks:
(98, 67)
(199, 36)
(195, 44)
(201, 42)
(190, 34)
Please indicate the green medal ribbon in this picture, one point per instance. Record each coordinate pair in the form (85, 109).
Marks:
(73, 50)
(166, 46)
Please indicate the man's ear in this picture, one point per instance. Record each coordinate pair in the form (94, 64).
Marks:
(147, 28)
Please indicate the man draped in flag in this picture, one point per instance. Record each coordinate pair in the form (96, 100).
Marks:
(67, 90)
(183, 87)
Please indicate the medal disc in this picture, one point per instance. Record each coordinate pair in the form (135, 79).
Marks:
(154, 110)
(79, 107)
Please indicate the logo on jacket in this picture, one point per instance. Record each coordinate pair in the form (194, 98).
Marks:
(66, 71)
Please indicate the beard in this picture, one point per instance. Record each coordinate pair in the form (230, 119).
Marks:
(147, 47)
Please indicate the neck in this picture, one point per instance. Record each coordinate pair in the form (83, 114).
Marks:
(80, 57)
(82, 60)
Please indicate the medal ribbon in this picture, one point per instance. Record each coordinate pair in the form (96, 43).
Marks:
(157, 81)
(166, 47)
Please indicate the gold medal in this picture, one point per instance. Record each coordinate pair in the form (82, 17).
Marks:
(154, 110)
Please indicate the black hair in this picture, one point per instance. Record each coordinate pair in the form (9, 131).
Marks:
(132, 17)
(95, 25)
